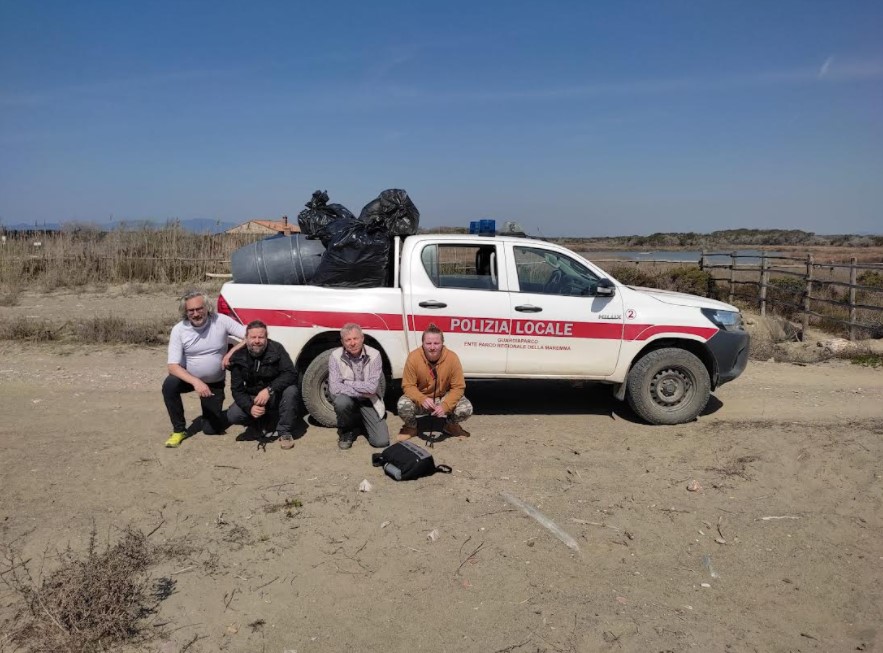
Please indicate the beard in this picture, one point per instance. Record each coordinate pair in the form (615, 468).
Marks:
(257, 350)
(198, 322)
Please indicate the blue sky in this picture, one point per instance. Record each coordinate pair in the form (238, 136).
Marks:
(574, 118)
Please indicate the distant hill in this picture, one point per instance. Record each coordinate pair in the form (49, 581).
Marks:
(197, 225)
(24, 226)
(728, 237)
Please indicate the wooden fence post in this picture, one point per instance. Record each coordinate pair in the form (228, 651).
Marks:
(852, 298)
(764, 279)
(807, 294)
(732, 276)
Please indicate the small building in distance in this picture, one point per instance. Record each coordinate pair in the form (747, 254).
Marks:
(266, 227)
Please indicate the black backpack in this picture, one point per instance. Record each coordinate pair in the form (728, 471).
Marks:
(405, 461)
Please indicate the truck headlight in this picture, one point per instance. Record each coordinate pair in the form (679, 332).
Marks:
(726, 320)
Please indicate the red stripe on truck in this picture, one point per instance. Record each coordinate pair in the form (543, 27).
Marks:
(321, 319)
(474, 325)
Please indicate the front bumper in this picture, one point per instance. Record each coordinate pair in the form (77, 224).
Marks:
(730, 351)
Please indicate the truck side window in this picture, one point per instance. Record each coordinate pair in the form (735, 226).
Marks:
(470, 267)
(550, 273)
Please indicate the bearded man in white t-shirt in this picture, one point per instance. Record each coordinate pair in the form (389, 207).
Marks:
(197, 361)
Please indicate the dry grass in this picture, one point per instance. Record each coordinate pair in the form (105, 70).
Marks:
(10, 294)
(80, 257)
(25, 329)
(736, 467)
(107, 330)
(92, 601)
(112, 329)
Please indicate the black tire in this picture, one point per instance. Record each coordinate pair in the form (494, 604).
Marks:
(316, 397)
(668, 386)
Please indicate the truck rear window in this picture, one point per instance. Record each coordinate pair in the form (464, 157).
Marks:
(470, 267)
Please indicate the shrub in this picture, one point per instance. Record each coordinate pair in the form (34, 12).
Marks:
(691, 280)
(870, 278)
(92, 601)
(24, 329)
(113, 329)
(786, 290)
(631, 275)
(97, 330)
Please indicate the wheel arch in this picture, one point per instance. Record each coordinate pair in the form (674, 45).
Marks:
(698, 348)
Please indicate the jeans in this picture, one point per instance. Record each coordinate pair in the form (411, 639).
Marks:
(354, 414)
(214, 420)
(280, 415)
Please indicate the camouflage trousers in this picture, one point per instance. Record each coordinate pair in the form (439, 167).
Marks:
(409, 411)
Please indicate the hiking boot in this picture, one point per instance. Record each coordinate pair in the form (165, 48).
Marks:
(175, 439)
(286, 441)
(454, 430)
(406, 433)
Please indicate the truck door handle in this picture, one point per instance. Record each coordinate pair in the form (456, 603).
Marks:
(529, 308)
(432, 304)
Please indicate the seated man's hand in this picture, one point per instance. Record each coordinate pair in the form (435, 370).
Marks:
(429, 404)
(258, 411)
(439, 411)
(202, 389)
(262, 397)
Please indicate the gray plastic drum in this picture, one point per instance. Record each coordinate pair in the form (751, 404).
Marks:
(289, 260)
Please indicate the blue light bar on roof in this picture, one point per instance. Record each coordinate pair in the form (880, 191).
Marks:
(483, 227)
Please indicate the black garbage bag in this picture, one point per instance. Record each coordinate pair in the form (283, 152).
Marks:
(356, 255)
(319, 214)
(395, 210)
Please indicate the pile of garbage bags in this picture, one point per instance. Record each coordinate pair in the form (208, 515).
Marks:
(357, 250)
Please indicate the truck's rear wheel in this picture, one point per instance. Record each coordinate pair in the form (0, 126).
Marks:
(668, 386)
(317, 398)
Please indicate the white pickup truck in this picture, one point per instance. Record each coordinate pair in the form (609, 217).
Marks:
(512, 308)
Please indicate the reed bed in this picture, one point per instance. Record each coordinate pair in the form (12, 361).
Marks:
(84, 256)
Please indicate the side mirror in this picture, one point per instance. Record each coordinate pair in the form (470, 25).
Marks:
(605, 288)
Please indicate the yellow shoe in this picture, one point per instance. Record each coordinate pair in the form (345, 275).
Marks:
(175, 439)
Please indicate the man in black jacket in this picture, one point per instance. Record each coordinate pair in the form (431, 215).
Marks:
(264, 385)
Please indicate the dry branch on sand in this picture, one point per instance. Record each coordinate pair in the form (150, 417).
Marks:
(92, 600)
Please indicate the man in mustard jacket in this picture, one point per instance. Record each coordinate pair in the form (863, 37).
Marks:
(433, 384)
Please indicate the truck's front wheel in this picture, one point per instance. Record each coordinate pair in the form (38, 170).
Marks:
(668, 386)
(317, 398)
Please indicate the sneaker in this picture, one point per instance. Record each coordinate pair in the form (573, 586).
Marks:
(286, 442)
(455, 430)
(175, 439)
(406, 433)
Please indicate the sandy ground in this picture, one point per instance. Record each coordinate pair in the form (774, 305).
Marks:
(781, 549)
